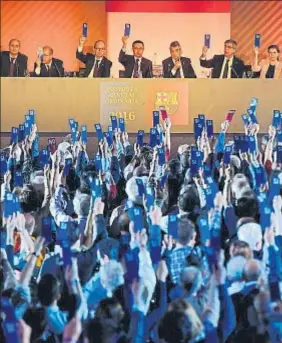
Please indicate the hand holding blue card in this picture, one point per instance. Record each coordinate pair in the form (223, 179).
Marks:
(14, 135)
(84, 137)
(121, 124)
(114, 122)
(156, 118)
(85, 30)
(153, 137)
(209, 124)
(257, 40)
(140, 137)
(99, 132)
(4, 164)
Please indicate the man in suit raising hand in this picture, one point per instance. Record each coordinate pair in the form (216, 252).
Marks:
(48, 66)
(224, 66)
(136, 66)
(177, 66)
(96, 65)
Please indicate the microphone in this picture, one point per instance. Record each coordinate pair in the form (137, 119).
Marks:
(235, 72)
(56, 67)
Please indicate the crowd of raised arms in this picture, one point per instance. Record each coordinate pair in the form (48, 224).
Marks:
(135, 245)
(224, 66)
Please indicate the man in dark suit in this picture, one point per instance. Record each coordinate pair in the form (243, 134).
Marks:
(96, 65)
(136, 66)
(177, 66)
(13, 63)
(48, 66)
(224, 66)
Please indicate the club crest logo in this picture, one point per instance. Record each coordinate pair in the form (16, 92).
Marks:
(167, 99)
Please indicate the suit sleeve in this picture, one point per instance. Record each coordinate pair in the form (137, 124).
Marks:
(107, 72)
(25, 62)
(242, 69)
(122, 58)
(149, 74)
(61, 68)
(207, 63)
(81, 56)
(191, 71)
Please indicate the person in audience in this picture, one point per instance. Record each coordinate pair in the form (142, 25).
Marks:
(177, 66)
(13, 63)
(131, 251)
(96, 64)
(271, 67)
(136, 66)
(224, 66)
(47, 65)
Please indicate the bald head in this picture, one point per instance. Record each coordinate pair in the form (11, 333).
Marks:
(14, 47)
(252, 270)
(47, 54)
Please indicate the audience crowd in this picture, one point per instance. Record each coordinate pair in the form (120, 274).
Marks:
(137, 245)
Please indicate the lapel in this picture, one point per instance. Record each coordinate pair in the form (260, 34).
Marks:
(142, 66)
(184, 66)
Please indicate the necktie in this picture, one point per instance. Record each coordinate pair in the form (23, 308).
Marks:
(96, 69)
(225, 71)
(177, 74)
(136, 69)
(48, 69)
(12, 67)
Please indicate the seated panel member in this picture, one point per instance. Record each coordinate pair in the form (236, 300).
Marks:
(48, 66)
(177, 66)
(96, 65)
(270, 68)
(136, 66)
(224, 66)
(13, 63)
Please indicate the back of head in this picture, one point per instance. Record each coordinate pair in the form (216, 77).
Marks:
(240, 248)
(247, 207)
(189, 200)
(28, 198)
(180, 323)
(48, 289)
(251, 233)
(110, 309)
(252, 270)
(186, 231)
(191, 280)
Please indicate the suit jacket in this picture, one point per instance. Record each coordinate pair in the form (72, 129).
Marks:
(128, 61)
(20, 64)
(216, 63)
(88, 59)
(187, 68)
(56, 69)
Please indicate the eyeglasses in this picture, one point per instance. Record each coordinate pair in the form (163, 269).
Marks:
(228, 46)
(100, 49)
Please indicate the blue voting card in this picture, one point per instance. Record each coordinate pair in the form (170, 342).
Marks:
(265, 217)
(252, 144)
(4, 164)
(202, 120)
(18, 178)
(227, 154)
(14, 135)
(127, 28)
(63, 232)
(121, 124)
(252, 116)
(84, 137)
(257, 40)
(279, 154)
(108, 138)
(279, 136)
(67, 253)
(207, 41)
(131, 258)
(99, 132)
(114, 122)
(209, 124)
(140, 137)
(141, 187)
(110, 131)
(172, 229)
(84, 29)
(72, 123)
(73, 134)
(98, 162)
(156, 118)
(44, 157)
(153, 137)
(27, 128)
(150, 198)
(245, 119)
(68, 164)
(276, 119)
(138, 219)
(46, 228)
(204, 229)
(161, 156)
(155, 244)
(8, 204)
(21, 132)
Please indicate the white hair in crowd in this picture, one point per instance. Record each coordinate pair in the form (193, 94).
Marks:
(81, 203)
(235, 268)
(191, 276)
(251, 233)
(111, 274)
(132, 189)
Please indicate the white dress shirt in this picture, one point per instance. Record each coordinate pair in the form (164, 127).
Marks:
(173, 72)
(229, 69)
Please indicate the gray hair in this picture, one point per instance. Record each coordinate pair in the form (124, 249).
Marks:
(191, 279)
(111, 274)
(132, 189)
(235, 268)
(81, 203)
(252, 270)
(250, 233)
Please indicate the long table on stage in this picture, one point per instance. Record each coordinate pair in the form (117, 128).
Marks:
(94, 100)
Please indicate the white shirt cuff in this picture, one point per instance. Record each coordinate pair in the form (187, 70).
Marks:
(173, 72)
